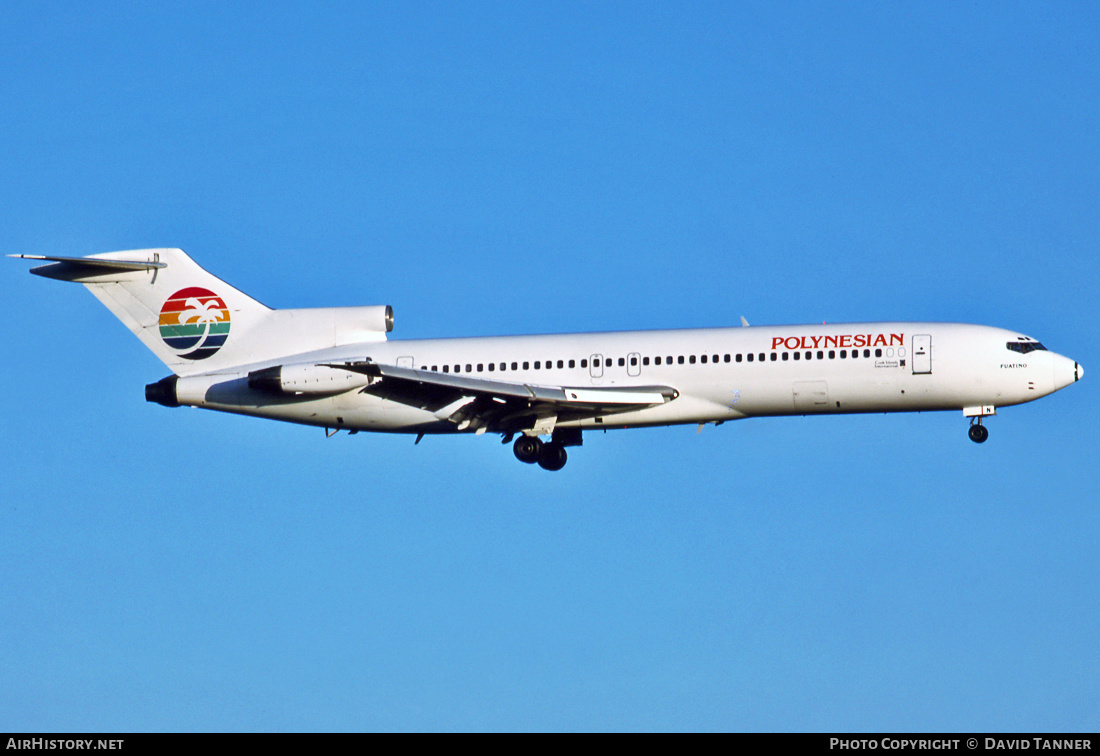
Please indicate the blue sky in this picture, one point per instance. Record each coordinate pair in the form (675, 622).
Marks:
(491, 168)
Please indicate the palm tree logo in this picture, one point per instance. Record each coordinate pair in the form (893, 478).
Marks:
(203, 313)
(194, 322)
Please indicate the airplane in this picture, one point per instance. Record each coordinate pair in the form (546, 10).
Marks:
(335, 368)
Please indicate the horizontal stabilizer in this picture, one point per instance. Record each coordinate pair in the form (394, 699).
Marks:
(80, 268)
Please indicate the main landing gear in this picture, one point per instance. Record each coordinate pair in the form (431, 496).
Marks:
(550, 455)
(978, 433)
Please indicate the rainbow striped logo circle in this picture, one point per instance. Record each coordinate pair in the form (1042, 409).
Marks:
(196, 321)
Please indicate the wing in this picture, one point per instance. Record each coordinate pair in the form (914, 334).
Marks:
(499, 406)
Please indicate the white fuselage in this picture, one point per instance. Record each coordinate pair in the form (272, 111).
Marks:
(334, 367)
(719, 373)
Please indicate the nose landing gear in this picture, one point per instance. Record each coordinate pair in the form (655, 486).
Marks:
(978, 433)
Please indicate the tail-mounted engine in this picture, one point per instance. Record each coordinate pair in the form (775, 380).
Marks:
(293, 380)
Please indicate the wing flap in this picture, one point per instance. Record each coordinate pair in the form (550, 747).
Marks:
(502, 406)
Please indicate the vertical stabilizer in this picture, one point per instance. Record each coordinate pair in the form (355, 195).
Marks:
(197, 323)
(191, 320)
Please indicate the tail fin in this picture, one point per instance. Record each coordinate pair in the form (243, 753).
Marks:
(181, 312)
(197, 323)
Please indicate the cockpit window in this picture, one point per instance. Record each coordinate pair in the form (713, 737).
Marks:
(1023, 347)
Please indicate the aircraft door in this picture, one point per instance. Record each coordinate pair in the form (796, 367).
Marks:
(922, 354)
(405, 362)
(595, 367)
(634, 364)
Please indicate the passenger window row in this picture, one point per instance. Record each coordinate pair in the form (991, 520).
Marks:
(690, 359)
(503, 366)
(809, 355)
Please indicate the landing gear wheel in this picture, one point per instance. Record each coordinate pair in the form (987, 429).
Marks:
(552, 457)
(527, 449)
(978, 433)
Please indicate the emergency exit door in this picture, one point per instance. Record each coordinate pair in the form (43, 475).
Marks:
(595, 367)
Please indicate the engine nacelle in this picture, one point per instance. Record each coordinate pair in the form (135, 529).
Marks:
(354, 324)
(194, 390)
(319, 380)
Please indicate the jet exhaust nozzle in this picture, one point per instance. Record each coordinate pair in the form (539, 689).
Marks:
(163, 392)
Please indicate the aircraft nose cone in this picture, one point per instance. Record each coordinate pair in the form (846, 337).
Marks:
(1066, 371)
